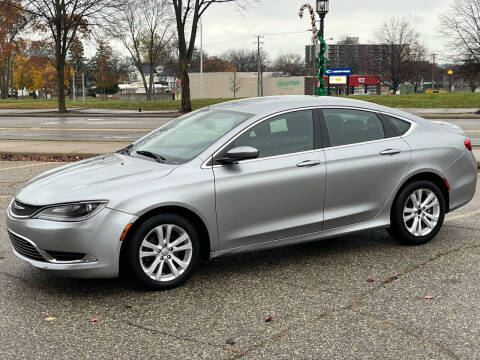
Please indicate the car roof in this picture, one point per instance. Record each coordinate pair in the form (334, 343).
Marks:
(267, 105)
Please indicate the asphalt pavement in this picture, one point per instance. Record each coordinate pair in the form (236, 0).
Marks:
(319, 296)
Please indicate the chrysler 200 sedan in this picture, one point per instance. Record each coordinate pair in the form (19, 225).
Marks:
(243, 176)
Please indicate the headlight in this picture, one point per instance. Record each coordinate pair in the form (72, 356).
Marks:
(71, 212)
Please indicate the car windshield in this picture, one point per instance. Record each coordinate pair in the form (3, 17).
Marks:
(184, 138)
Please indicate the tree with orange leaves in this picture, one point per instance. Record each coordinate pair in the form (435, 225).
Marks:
(12, 21)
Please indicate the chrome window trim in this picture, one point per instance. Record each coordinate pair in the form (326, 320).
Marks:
(204, 164)
(412, 128)
(46, 256)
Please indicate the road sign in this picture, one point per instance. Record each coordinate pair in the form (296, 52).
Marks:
(338, 71)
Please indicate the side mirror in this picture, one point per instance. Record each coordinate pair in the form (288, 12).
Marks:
(238, 153)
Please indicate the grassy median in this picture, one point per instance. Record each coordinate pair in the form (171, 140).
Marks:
(96, 103)
(446, 100)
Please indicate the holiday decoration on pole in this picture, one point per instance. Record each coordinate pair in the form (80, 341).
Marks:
(321, 88)
(322, 67)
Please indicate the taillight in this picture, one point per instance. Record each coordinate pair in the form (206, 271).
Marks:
(468, 144)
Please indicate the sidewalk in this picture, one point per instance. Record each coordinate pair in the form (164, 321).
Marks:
(80, 148)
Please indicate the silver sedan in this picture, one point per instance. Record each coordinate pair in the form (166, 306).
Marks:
(243, 176)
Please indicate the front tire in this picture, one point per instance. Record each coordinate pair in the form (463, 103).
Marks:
(418, 213)
(163, 251)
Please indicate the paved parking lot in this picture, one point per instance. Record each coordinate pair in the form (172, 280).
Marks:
(318, 295)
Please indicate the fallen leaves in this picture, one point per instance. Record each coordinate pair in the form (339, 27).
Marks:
(230, 341)
(43, 157)
(429, 297)
(94, 320)
(369, 280)
(269, 318)
(50, 318)
(2, 257)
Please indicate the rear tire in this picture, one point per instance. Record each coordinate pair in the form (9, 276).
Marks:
(163, 252)
(417, 214)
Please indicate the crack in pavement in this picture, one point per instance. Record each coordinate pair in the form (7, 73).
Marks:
(176, 337)
(424, 340)
(358, 301)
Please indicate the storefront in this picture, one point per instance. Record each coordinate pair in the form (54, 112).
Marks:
(353, 84)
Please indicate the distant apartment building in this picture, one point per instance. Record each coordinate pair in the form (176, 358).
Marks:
(364, 59)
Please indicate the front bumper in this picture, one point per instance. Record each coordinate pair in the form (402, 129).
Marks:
(97, 238)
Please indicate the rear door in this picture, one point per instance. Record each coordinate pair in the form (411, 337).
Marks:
(365, 162)
(280, 194)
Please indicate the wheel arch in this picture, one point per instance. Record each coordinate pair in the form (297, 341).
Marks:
(433, 177)
(198, 223)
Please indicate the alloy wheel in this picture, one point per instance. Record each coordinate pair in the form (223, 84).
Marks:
(165, 252)
(421, 212)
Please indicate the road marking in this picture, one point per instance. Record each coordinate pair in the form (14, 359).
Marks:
(473, 213)
(71, 129)
(5, 196)
(472, 131)
(26, 166)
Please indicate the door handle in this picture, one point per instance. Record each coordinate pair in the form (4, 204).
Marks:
(309, 163)
(390, 152)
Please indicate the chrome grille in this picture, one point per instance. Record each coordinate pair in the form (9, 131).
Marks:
(20, 209)
(24, 248)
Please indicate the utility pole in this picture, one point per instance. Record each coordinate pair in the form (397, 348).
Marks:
(433, 70)
(201, 58)
(83, 87)
(74, 89)
(259, 66)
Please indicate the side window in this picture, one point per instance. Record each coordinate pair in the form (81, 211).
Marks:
(283, 134)
(400, 126)
(352, 126)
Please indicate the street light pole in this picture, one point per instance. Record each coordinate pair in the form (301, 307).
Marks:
(322, 10)
(450, 80)
(433, 70)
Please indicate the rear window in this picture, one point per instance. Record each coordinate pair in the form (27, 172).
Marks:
(347, 126)
(400, 126)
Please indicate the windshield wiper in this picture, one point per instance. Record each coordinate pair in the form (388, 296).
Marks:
(125, 150)
(157, 157)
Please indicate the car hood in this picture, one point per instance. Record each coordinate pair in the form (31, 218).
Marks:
(100, 178)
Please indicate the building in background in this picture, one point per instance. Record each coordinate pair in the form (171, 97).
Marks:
(164, 77)
(362, 58)
(244, 84)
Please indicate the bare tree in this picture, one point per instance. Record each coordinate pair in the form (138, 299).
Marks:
(187, 14)
(399, 35)
(289, 63)
(146, 29)
(419, 67)
(461, 24)
(470, 71)
(235, 84)
(65, 20)
(245, 60)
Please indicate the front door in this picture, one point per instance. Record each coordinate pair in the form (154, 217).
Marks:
(280, 194)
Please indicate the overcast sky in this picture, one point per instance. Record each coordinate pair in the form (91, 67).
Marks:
(225, 26)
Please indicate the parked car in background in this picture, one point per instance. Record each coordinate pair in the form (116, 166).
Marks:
(242, 176)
